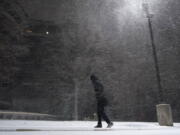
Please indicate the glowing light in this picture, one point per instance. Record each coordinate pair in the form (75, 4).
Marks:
(29, 31)
(131, 8)
(47, 32)
(134, 6)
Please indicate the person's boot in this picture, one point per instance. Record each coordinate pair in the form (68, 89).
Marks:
(98, 126)
(110, 125)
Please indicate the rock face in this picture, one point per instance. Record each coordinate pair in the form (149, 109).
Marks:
(164, 115)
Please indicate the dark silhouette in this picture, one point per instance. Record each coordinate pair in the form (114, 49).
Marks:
(101, 102)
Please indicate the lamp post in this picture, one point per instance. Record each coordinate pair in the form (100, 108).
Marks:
(164, 113)
(156, 63)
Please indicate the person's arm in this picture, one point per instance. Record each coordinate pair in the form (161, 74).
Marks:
(99, 90)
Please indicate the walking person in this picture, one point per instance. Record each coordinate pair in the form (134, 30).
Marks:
(101, 102)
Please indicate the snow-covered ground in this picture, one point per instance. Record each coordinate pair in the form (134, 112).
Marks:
(28, 127)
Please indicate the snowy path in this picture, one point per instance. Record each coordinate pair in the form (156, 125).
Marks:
(24, 127)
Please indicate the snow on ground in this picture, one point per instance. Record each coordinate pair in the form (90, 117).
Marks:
(29, 127)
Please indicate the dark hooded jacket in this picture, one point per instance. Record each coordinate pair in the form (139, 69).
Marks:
(99, 92)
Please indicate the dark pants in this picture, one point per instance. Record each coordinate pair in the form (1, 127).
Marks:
(101, 114)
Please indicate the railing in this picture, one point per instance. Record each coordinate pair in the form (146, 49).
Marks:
(26, 116)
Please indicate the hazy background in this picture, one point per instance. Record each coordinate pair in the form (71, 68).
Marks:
(49, 48)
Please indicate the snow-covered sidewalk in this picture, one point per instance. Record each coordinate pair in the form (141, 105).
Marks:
(28, 127)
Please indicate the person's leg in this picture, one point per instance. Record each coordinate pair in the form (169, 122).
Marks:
(99, 116)
(104, 116)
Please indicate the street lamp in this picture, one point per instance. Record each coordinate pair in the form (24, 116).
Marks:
(164, 113)
(156, 63)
